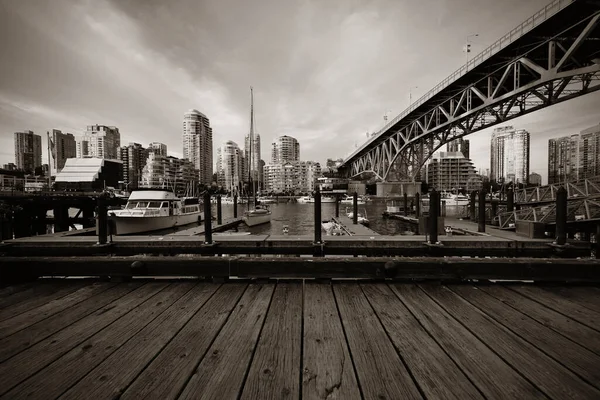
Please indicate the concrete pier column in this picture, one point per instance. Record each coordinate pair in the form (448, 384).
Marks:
(235, 214)
(472, 214)
(101, 222)
(355, 208)
(207, 219)
(481, 218)
(318, 215)
(219, 213)
(434, 210)
(561, 216)
(510, 200)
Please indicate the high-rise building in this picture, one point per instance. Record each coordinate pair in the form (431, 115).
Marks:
(574, 157)
(64, 147)
(297, 176)
(197, 144)
(510, 155)
(255, 159)
(535, 179)
(134, 158)
(99, 141)
(229, 167)
(450, 171)
(28, 151)
(169, 172)
(158, 148)
(285, 149)
(459, 145)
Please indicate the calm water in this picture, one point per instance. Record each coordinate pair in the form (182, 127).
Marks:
(300, 218)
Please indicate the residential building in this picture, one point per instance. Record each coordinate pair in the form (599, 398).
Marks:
(134, 158)
(198, 144)
(574, 157)
(297, 176)
(254, 150)
(169, 172)
(63, 147)
(510, 155)
(450, 171)
(99, 141)
(158, 148)
(459, 145)
(229, 167)
(285, 149)
(535, 179)
(28, 151)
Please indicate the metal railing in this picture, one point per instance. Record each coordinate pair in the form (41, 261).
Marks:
(548, 11)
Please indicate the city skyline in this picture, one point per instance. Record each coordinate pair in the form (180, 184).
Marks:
(325, 96)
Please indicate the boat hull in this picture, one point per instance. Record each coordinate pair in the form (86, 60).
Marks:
(256, 219)
(126, 225)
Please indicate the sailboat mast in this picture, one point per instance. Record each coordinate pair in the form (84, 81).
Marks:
(251, 141)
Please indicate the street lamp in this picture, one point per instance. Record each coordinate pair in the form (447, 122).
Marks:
(410, 94)
(467, 48)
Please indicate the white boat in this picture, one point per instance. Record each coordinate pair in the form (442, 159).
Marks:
(310, 199)
(392, 208)
(360, 218)
(260, 215)
(332, 228)
(151, 210)
(266, 200)
(350, 200)
(327, 199)
(452, 199)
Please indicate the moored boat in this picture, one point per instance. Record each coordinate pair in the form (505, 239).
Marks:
(150, 210)
(257, 216)
(360, 218)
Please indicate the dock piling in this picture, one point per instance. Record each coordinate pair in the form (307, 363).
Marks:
(207, 219)
(481, 219)
(405, 204)
(219, 213)
(355, 208)
(598, 241)
(561, 216)
(102, 221)
(317, 215)
(472, 214)
(417, 205)
(337, 206)
(235, 215)
(434, 205)
(510, 200)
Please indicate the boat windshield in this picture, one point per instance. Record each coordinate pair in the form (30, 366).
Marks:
(154, 204)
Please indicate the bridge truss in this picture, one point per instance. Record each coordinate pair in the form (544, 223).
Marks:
(556, 61)
(547, 194)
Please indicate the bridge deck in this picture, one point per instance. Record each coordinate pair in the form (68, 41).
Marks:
(187, 339)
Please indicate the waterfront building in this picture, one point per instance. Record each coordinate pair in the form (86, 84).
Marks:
(89, 174)
(297, 176)
(158, 148)
(63, 146)
(450, 171)
(169, 172)
(28, 151)
(133, 157)
(575, 157)
(459, 145)
(99, 141)
(535, 179)
(198, 144)
(510, 155)
(285, 149)
(230, 167)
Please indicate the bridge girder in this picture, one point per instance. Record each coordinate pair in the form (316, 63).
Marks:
(554, 71)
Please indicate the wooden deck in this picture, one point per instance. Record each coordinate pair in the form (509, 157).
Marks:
(78, 339)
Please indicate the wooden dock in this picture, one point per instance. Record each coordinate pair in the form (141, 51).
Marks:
(81, 339)
(355, 230)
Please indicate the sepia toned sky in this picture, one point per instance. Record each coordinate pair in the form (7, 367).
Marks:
(324, 72)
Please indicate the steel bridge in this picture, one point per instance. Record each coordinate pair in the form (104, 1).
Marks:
(553, 56)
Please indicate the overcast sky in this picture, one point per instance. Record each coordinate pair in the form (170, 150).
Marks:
(324, 71)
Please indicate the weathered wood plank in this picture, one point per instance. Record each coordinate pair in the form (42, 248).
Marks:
(573, 356)
(588, 297)
(28, 362)
(548, 375)
(23, 320)
(328, 372)
(435, 372)
(168, 373)
(110, 379)
(577, 332)
(275, 369)
(492, 376)
(380, 371)
(53, 292)
(221, 372)
(56, 378)
(560, 304)
(10, 290)
(19, 341)
(30, 290)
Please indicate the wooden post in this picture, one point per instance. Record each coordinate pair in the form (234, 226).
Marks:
(219, 213)
(405, 204)
(510, 200)
(434, 205)
(317, 215)
(355, 208)
(598, 241)
(561, 216)
(337, 206)
(417, 205)
(472, 215)
(235, 215)
(494, 208)
(101, 221)
(207, 219)
(88, 215)
(481, 219)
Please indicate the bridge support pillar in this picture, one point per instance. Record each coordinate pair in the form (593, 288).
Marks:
(207, 219)
(481, 219)
(561, 216)
(397, 188)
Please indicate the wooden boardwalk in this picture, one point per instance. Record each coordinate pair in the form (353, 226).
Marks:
(82, 339)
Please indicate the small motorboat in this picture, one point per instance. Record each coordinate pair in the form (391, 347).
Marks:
(350, 200)
(360, 218)
(332, 228)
